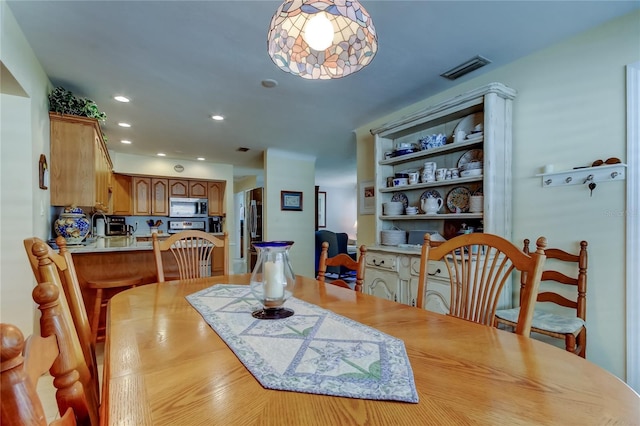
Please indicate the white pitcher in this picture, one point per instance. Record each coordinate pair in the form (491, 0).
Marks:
(431, 205)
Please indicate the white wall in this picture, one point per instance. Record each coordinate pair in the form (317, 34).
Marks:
(569, 111)
(24, 135)
(291, 172)
(342, 205)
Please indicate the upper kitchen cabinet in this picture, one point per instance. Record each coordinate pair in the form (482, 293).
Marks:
(80, 163)
(121, 200)
(183, 188)
(215, 191)
(150, 196)
(178, 188)
(197, 189)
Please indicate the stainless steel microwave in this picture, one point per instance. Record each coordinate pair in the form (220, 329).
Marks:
(188, 207)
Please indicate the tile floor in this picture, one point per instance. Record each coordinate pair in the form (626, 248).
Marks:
(47, 391)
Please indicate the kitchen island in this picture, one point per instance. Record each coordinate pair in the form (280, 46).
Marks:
(126, 256)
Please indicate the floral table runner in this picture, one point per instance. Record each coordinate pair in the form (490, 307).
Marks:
(313, 351)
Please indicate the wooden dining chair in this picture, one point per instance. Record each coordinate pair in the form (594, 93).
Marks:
(479, 265)
(342, 260)
(69, 369)
(192, 251)
(22, 364)
(73, 291)
(51, 267)
(572, 329)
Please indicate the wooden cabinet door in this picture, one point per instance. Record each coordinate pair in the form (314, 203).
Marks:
(197, 189)
(215, 192)
(72, 162)
(178, 188)
(102, 176)
(159, 199)
(141, 196)
(217, 263)
(122, 198)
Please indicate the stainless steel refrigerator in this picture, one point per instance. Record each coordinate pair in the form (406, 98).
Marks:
(253, 221)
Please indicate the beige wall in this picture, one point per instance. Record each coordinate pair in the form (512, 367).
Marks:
(24, 135)
(292, 172)
(569, 111)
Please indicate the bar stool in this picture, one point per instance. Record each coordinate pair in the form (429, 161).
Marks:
(99, 286)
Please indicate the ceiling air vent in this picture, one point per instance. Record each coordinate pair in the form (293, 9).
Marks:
(242, 149)
(465, 68)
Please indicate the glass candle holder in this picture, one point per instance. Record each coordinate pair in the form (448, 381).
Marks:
(272, 279)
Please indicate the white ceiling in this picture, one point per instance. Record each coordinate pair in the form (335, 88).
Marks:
(182, 61)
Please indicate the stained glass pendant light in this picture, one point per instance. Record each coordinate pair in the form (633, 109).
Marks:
(321, 39)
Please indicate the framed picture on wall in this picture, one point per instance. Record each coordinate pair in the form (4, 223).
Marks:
(367, 197)
(322, 209)
(291, 200)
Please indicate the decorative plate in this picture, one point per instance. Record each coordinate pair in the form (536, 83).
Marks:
(458, 197)
(430, 193)
(471, 155)
(468, 123)
(401, 197)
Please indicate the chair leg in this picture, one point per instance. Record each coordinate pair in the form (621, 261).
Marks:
(582, 343)
(95, 319)
(570, 343)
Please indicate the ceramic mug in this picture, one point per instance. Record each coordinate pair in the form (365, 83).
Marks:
(413, 178)
(400, 181)
(441, 174)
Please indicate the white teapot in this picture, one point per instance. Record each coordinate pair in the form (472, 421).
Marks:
(431, 205)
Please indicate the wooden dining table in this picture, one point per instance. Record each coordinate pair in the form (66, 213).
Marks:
(164, 365)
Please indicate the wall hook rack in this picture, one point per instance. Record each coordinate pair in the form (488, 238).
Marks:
(585, 175)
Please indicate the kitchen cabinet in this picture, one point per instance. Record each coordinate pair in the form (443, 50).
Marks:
(159, 199)
(490, 109)
(217, 266)
(80, 169)
(215, 191)
(197, 189)
(150, 196)
(178, 188)
(141, 196)
(184, 188)
(122, 200)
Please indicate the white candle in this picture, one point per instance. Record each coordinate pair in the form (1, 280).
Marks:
(273, 280)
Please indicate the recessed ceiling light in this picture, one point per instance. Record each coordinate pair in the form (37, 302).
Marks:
(200, 158)
(121, 98)
(126, 142)
(217, 117)
(269, 83)
(162, 154)
(124, 124)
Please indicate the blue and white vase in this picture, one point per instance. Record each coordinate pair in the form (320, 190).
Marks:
(73, 225)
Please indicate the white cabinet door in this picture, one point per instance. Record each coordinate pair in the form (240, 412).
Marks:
(437, 296)
(381, 283)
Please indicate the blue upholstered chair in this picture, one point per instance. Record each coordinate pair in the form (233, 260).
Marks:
(337, 244)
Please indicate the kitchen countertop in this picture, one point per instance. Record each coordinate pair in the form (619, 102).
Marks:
(111, 244)
(119, 243)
